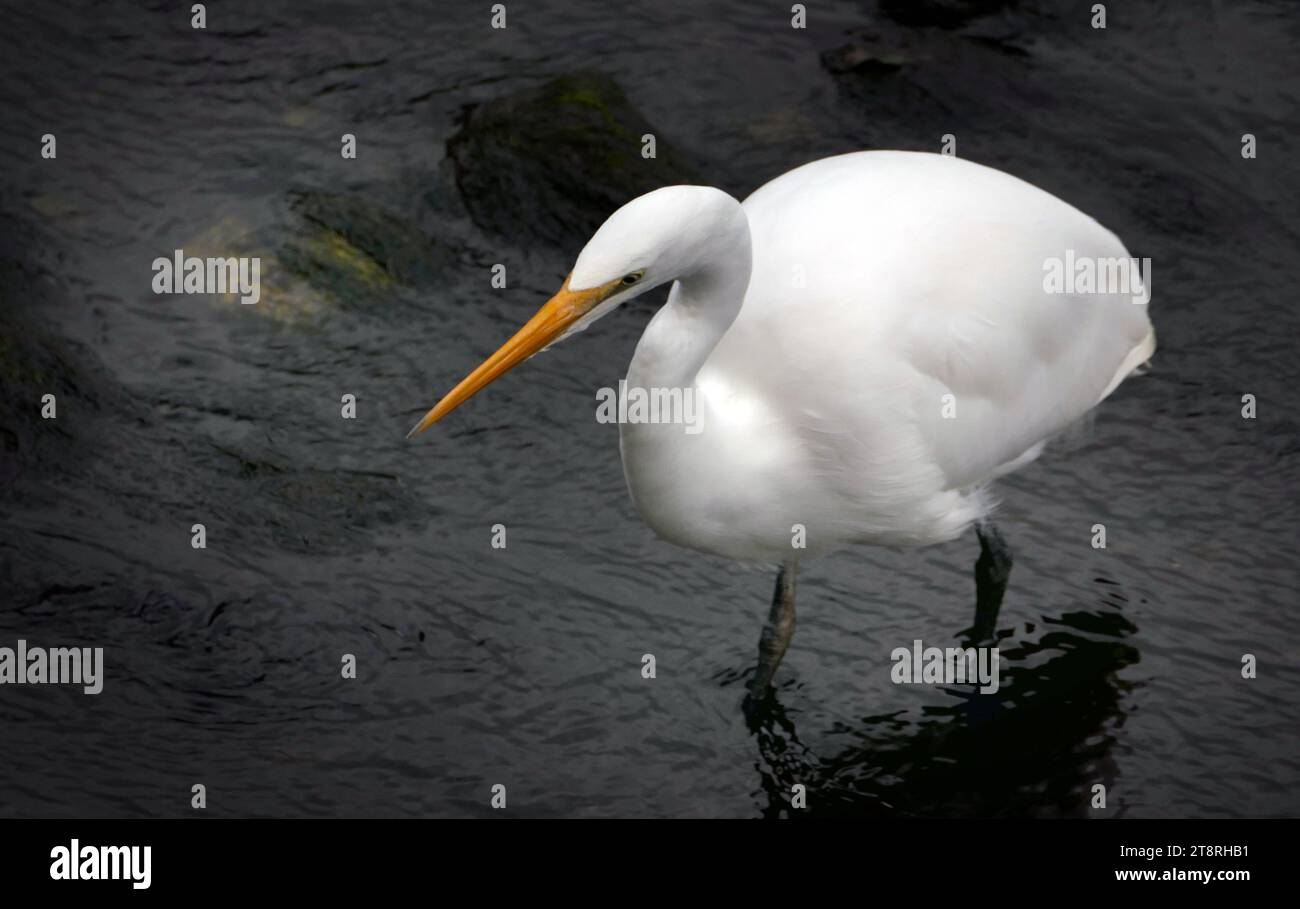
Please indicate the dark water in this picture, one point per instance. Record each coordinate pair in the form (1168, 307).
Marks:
(522, 666)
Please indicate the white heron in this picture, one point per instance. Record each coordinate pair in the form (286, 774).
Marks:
(871, 341)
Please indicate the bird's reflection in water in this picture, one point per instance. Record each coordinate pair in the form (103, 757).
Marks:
(1034, 748)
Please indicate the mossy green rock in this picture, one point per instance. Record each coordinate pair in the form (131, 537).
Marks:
(552, 163)
(352, 246)
(332, 251)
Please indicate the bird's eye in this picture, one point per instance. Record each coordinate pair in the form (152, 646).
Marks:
(632, 278)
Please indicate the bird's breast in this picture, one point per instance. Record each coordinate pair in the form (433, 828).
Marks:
(723, 488)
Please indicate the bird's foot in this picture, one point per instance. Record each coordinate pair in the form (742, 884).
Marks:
(978, 634)
(755, 709)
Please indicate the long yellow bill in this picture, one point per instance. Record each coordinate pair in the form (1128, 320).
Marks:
(551, 321)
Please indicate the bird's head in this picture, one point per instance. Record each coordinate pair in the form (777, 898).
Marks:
(655, 238)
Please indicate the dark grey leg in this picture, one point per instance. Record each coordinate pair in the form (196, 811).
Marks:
(776, 635)
(992, 569)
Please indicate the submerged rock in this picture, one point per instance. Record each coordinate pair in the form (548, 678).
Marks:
(941, 13)
(964, 35)
(915, 86)
(349, 238)
(285, 295)
(334, 251)
(867, 54)
(553, 162)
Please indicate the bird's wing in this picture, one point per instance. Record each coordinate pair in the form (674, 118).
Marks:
(901, 298)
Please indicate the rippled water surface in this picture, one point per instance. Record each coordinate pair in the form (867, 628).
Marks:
(480, 666)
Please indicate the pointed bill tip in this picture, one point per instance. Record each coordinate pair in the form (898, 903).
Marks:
(549, 324)
(425, 422)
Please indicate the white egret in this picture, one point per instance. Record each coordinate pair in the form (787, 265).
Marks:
(872, 338)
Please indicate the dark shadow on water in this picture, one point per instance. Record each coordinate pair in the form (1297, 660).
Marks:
(1034, 748)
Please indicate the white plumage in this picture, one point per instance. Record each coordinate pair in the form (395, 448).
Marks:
(880, 282)
(869, 340)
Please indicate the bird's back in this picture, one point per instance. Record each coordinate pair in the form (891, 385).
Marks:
(898, 315)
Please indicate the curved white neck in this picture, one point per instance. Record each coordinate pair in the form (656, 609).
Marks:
(704, 301)
(701, 307)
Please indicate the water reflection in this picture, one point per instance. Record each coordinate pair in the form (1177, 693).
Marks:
(1035, 747)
